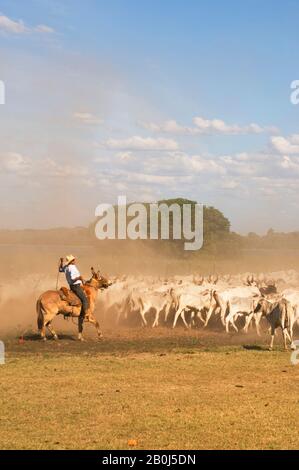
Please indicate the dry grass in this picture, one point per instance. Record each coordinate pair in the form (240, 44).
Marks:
(167, 390)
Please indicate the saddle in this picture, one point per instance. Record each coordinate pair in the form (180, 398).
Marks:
(69, 296)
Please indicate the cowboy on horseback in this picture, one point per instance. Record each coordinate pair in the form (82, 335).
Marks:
(75, 281)
(55, 302)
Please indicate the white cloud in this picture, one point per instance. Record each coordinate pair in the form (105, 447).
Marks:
(209, 165)
(20, 165)
(218, 126)
(288, 163)
(295, 139)
(206, 126)
(51, 168)
(181, 163)
(240, 166)
(125, 156)
(11, 26)
(286, 146)
(8, 25)
(13, 162)
(197, 164)
(151, 179)
(87, 118)
(171, 127)
(42, 28)
(141, 143)
(229, 184)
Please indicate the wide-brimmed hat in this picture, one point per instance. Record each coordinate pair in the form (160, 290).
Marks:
(69, 259)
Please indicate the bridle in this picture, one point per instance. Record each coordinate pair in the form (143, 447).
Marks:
(95, 283)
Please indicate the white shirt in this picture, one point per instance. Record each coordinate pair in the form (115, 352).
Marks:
(71, 272)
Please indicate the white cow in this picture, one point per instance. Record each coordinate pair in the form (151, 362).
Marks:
(196, 303)
(279, 315)
(142, 300)
(235, 301)
(292, 296)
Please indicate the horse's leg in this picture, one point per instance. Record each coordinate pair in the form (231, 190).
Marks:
(42, 333)
(46, 321)
(94, 322)
(81, 319)
(41, 320)
(80, 328)
(51, 329)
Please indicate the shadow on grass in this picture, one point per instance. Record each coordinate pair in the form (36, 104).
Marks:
(133, 341)
(253, 347)
(118, 343)
(36, 337)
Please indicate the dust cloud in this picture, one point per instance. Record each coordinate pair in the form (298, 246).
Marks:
(28, 270)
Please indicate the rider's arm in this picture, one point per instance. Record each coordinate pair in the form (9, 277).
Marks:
(61, 267)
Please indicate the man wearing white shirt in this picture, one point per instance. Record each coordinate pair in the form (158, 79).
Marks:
(75, 281)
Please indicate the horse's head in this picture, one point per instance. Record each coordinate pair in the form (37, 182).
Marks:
(99, 281)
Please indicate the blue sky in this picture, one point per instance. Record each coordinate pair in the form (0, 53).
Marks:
(149, 99)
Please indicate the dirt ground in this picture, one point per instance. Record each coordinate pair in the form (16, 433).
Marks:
(165, 389)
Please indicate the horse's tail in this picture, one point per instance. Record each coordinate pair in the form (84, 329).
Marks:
(40, 314)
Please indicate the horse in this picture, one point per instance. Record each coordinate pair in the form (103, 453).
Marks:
(51, 303)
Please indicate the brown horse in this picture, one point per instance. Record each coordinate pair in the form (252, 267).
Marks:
(50, 304)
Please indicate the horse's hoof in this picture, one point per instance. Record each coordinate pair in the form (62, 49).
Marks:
(55, 337)
(44, 339)
(270, 349)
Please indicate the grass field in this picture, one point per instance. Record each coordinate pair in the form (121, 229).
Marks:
(164, 389)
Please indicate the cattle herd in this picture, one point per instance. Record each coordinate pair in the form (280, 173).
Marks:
(232, 302)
